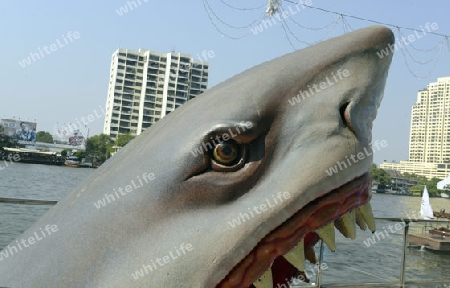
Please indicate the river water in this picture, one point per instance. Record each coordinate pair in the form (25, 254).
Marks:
(353, 261)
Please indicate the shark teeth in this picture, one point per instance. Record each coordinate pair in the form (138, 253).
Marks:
(297, 256)
(366, 212)
(326, 233)
(346, 224)
(360, 220)
(265, 281)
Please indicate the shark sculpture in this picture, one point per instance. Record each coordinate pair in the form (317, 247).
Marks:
(229, 190)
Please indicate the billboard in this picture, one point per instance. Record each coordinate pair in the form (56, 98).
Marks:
(70, 135)
(20, 130)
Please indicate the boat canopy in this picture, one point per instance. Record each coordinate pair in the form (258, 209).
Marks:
(22, 150)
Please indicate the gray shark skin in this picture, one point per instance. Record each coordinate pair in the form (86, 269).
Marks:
(192, 199)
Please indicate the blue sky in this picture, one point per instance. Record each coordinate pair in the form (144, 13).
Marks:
(71, 80)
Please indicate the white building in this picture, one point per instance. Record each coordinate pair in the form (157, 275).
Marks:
(429, 170)
(430, 124)
(145, 86)
(429, 141)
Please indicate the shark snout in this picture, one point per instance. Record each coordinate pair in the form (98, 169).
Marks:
(360, 114)
(358, 107)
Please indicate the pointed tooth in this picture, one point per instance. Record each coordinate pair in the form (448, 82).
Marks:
(265, 281)
(366, 211)
(326, 233)
(347, 225)
(297, 256)
(311, 255)
(360, 220)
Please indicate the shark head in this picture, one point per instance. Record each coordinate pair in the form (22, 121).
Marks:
(230, 190)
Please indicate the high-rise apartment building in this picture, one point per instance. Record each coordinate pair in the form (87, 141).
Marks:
(429, 140)
(430, 124)
(145, 85)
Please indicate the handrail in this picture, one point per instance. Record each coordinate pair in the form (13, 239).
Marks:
(402, 283)
(27, 201)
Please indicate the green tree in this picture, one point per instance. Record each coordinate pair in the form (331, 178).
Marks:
(80, 154)
(381, 176)
(416, 190)
(64, 153)
(432, 187)
(99, 146)
(123, 139)
(412, 176)
(44, 136)
(421, 181)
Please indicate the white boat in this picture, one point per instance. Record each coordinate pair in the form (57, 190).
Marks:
(434, 237)
(425, 209)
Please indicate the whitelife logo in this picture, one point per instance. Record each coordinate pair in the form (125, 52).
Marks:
(281, 196)
(162, 261)
(266, 24)
(10, 250)
(405, 41)
(392, 228)
(355, 158)
(49, 49)
(224, 136)
(131, 5)
(316, 88)
(147, 177)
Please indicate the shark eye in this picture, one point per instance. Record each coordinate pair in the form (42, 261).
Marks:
(225, 153)
(228, 156)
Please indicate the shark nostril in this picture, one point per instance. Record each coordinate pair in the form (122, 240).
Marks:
(344, 114)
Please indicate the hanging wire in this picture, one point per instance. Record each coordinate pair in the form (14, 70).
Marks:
(415, 48)
(368, 20)
(346, 24)
(205, 6)
(293, 35)
(275, 6)
(405, 47)
(287, 29)
(429, 72)
(225, 23)
(333, 26)
(242, 9)
(287, 36)
(315, 29)
(343, 24)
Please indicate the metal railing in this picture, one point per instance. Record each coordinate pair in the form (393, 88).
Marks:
(402, 279)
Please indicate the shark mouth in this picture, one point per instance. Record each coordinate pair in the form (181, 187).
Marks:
(280, 256)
